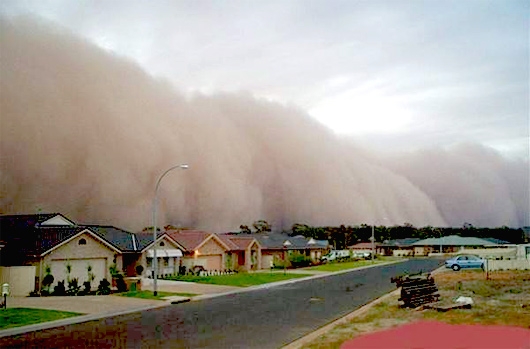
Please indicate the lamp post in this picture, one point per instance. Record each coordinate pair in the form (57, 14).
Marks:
(155, 200)
(373, 241)
(286, 244)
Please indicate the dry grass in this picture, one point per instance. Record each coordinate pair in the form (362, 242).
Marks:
(498, 301)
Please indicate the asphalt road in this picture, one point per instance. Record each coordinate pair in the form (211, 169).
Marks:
(264, 318)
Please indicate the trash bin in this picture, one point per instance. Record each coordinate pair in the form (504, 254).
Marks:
(133, 283)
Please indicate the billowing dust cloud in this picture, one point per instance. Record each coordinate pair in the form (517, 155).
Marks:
(87, 133)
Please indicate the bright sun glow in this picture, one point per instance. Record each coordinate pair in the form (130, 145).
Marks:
(361, 113)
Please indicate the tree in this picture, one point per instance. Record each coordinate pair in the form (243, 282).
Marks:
(261, 226)
(245, 229)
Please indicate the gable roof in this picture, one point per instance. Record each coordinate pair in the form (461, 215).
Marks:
(27, 221)
(33, 235)
(240, 242)
(189, 239)
(39, 241)
(123, 240)
(274, 241)
(400, 242)
(365, 245)
(231, 242)
(145, 238)
(82, 230)
(453, 240)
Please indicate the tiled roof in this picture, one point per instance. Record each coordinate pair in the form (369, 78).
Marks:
(123, 240)
(497, 241)
(400, 242)
(35, 242)
(241, 243)
(233, 244)
(364, 245)
(24, 237)
(23, 221)
(275, 242)
(189, 239)
(453, 240)
(145, 238)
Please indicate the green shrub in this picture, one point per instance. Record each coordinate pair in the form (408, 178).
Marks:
(104, 287)
(299, 260)
(87, 288)
(59, 289)
(73, 287)
(120, 283)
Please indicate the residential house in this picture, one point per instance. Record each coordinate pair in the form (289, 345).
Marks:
(202, 248)
(449, 244)
(244, 253)
(398, 247)
(366, 247)
(55, 242)
(169, 254)
(277, 246)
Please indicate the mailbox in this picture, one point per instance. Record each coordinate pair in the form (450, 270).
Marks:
(5, 290)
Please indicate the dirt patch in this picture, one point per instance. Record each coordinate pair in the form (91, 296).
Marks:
(503, 299)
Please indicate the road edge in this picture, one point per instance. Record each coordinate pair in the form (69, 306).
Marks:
(298, 343)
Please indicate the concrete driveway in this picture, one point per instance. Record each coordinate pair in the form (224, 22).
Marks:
(83, 304)
(115, 303)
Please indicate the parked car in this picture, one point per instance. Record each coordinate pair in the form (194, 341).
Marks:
(464, 261)
(336, 255)
(362, 255)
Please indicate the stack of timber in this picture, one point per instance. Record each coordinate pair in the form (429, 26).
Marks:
(417, 290)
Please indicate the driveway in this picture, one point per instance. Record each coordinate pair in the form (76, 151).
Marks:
(83, 304)
(115, 303)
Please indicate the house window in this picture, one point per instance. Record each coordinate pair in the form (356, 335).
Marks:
(82, 242)
(149, 262)
(162, 244)
(166, 262)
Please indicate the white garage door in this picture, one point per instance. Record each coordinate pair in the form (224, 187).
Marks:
(266, 261)
(209, 262)
(79, 270)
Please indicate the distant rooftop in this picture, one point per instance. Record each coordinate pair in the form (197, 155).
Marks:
(454, 240)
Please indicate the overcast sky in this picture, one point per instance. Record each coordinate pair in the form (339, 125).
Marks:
(397, 74)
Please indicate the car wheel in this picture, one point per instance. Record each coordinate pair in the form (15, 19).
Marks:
(456, 267)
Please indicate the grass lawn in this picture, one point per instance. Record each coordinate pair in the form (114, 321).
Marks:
(149, 294)
(15, 317)
(240, 279)
(331, 267)
(498, 301)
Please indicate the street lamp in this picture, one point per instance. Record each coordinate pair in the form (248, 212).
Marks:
(286, 244)
(373, 241)
(155, 200)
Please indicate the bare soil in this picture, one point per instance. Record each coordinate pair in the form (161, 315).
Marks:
(502, 299)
